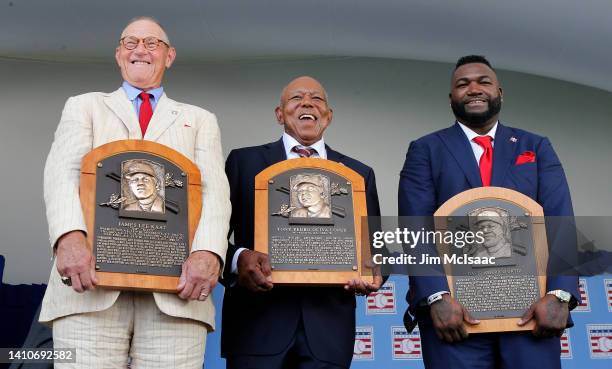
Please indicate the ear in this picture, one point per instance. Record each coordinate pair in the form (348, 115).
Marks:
(117, 50)
(501, 93)
(331, 116)
(279, 115)
(170, 57)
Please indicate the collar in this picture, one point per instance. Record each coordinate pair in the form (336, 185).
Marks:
(133, 92)
(289, 142)
(471, 134)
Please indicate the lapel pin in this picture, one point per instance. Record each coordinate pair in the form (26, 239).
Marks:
(513, 139)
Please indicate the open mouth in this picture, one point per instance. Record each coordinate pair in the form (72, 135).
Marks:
(476, 102)
(140, 62)
(307, 117)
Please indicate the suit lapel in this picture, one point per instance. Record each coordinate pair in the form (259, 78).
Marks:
(503, 152)
(121, 106)
(275, 152)
(457, 144)
(333, 155)
(166, 112)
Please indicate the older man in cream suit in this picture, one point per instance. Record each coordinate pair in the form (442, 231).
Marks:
(108, 328)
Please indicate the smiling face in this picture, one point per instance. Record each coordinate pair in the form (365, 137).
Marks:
(475, 96)
(304, 111)
(142, 68)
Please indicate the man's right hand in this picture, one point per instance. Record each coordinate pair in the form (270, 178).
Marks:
(448, 316)
(254, 271)
(75, 260)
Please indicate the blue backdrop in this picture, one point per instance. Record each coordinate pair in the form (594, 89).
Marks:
(381, 341)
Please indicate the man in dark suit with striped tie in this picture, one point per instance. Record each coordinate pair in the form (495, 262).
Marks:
(286, 327)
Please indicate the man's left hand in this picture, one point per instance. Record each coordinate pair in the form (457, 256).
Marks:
(550, 316)
(199, 276)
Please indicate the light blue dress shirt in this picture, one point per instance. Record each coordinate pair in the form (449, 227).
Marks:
(133, 92)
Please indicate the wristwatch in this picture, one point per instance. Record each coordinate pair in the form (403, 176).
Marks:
(563, 296)
(436, 297)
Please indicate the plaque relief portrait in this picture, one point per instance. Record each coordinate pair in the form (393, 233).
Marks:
(142, 186)
(496, 226)
(310, 196)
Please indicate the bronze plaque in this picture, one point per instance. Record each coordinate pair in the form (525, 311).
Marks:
(512, 235)
(308, 220)
(140, 223)
(313, 226)
(142, 203)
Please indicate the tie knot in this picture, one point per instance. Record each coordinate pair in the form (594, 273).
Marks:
(303, 151)
(144, 96)
(483, 141)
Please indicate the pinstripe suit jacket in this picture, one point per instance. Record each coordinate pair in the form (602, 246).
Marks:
(93, 119)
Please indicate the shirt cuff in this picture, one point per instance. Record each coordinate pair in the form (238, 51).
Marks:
(235, 260)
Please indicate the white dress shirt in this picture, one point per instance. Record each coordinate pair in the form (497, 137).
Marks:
(476, 148)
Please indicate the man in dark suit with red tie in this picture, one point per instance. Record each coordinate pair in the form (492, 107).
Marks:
(266, 326)
(479, 151)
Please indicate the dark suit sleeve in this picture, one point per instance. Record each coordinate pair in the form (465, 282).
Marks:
(417, 197)
(231, 170)
(554, 196)
(553, 190)
(372, 195)
(373, 206)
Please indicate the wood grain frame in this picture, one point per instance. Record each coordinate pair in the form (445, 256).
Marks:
(533, 211)
(87, 192)
(309, 277)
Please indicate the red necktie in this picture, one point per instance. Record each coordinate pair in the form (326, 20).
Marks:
(304, 152)
(146, 112)
(486, 160)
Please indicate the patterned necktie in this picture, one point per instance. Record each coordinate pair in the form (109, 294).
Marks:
(146, 111)
(486, 160)
(304, 152)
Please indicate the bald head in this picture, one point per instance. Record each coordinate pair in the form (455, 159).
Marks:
(300, 81)
(304, 111)
(150, 22)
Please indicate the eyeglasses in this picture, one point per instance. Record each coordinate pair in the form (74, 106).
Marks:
(150, 43)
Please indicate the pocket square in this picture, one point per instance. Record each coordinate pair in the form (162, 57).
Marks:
(526, 157)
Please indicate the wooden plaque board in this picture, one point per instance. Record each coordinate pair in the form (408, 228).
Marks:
(188, 180)
(531, 211)
(269, 180)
